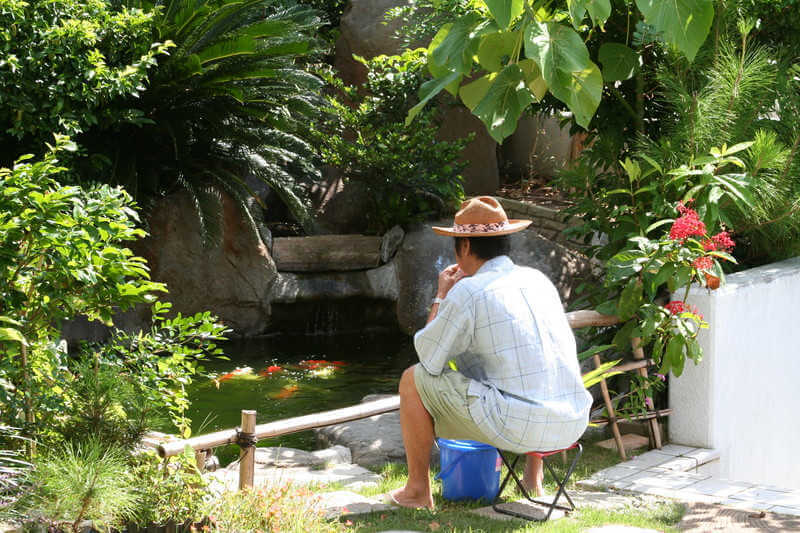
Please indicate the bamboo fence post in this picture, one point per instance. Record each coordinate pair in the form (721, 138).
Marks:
(612, 417)
(247, 449)
(655, 431)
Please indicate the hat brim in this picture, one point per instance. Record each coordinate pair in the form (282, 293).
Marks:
(513, 226)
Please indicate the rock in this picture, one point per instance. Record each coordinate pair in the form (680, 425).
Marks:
(392, 240)
(538, 148)
(376, 283)
(481, 175)
(564, 267)
(231, 279)
(373, 441)
(344, 474)
(291, 457)
(365, 32)
(419, 260)
(344, 502)
(341, 207)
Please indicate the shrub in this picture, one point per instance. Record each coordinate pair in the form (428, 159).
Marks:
(63, 63)
(409, 174)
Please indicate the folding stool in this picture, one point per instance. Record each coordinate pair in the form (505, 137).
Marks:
(562, 482)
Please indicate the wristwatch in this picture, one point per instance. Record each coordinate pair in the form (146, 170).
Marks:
(437, 300)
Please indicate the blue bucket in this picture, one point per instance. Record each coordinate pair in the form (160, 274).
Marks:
(470, 470)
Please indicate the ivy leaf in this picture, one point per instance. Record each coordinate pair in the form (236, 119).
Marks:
(630, 300)
(619, 62)
(684, 23)
(504, 11)
(504, 102)
(566, 67)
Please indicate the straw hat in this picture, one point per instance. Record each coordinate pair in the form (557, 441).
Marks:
(482, 216)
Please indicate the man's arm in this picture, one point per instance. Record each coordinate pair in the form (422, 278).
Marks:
(447, 278)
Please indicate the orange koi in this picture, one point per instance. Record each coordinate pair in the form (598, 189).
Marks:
(286, 392)
(238, 372)
(270, 370)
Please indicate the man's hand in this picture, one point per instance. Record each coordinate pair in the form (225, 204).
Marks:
(447, 278)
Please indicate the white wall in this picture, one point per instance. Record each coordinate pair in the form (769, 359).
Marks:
(744, 397)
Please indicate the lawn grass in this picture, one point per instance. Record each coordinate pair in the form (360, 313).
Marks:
(455, 516)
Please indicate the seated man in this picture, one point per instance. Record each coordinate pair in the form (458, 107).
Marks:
(518, 385)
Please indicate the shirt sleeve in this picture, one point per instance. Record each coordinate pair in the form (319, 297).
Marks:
(449, 334)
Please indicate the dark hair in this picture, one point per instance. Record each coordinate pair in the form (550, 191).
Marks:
(486, 247)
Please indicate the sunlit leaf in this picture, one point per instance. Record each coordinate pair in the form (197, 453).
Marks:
(684, 23)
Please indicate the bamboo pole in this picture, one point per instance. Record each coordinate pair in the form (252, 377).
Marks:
(247, 453)
(655, 431)
(283, 427)
(658, 413)
(586, 318)
(610, 408)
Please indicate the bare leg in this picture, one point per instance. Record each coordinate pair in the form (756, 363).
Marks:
(534, 475)
(417, 427)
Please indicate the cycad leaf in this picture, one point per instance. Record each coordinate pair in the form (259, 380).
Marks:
(244, 45)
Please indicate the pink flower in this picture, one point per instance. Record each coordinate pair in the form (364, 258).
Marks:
(649, 402)
(662, 377)
(686, 225)
(703, 263)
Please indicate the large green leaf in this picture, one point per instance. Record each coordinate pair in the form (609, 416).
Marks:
(428, 90)
(684, 23)
(630, 300)
(619, 62)
(494, 48)
(599, 11)
(533, 77)
(504, 102)
(566, 67)
(504, 11)
(437, 70)
(459, 44)
(472, 93)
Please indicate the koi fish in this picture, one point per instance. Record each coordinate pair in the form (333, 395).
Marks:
(238, 372)
(286, 392)
(312, 364)
(270, 370)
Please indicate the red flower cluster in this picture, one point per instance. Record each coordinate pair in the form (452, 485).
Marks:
(686, 225)
(703, 263)
(721, 241)
(677, 307)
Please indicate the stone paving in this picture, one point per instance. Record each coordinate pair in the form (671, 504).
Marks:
(689, 474)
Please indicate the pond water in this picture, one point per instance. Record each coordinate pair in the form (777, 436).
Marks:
(282, 377)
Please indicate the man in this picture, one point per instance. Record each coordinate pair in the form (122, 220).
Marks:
(517, 385)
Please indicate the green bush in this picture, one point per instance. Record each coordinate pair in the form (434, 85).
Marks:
(63, 62)
(408, 173)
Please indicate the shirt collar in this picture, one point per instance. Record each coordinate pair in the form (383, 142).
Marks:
(501, 263)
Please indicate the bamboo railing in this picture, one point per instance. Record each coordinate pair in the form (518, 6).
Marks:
(247, 434)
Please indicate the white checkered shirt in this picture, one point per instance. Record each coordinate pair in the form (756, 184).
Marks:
(506, 329)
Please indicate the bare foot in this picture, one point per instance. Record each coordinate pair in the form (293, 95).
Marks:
(405, 497)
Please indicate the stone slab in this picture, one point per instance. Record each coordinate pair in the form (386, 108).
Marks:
(344, 502)
(630, 441)
(326, 253)
(718, 488)
(677, 449)
(538, 512)
(648, 459)
(644, 481)
(772, 497)
(291, 457)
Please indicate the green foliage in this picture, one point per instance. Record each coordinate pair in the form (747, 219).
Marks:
(409, 174)
(160, 363)
(13, 469)
(171, 490)
(79, 482)
(538, 31)
(62, 63)
(62, 255)
(233, 99)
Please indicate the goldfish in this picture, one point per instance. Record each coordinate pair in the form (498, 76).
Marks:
(270, 370)
(312, 364)
(286, 392)
(238, 372)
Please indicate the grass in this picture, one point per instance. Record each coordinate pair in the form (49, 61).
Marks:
(454, 516)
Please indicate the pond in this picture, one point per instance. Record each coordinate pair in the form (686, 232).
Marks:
(282, 377)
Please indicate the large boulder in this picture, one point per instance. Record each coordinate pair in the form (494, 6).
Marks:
(231, 278)
(481, 175)
(365, 32)
(424, 254)
(538, 148)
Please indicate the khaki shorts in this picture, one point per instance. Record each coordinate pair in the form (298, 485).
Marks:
(445, 398)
